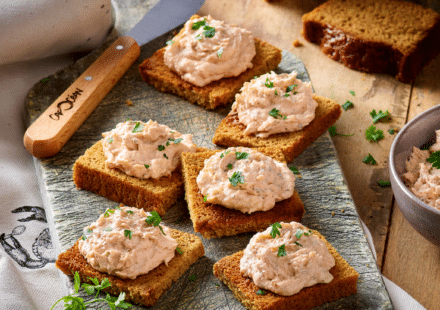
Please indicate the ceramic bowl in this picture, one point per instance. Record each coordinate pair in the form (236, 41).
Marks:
(419, 131)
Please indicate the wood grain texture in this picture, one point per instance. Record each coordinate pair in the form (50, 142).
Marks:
(321, 187)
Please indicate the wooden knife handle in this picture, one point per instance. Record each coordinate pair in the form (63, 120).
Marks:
(48, 134)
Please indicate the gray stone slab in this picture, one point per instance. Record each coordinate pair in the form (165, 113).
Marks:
(321, 186)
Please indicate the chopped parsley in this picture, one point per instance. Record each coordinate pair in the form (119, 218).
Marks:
(129, 212)
(220, 52)
(299, 233)
(192, 278)
(352, 93)
(237, 177)
(179, 250)
(371, 134)
(165, 155)
(229, 166)
(282, 251)
(275, 231)
(241, 155)
(294, 170)
(147, 166)
(333, 132)
(138, 127)
(268, 83)
(154, 219)
(128, 233)
(225, 153)
(286, 95)
(198, 24)
(260, 292)
(290, 88)
(84, 237)
(434, 159)
(384, 183)
(297, 243)
(205, 198)
(347, 105)
(209, 31)
(117, 208)
(385, 116)
(108, 211)
(369, 160)
(170, 42)
(276, 114)
(161, 147)
(110, 140)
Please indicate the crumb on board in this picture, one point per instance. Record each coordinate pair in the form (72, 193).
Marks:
(297, 43)
(164, 113)
(333, 213)
(342, 210)
(129, 102)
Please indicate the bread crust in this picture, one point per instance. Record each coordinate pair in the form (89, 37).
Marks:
(217, 93)
(90, 173)
(230, 132)
(343, 284)
(145, 289)
(400, 45)
(212, 220)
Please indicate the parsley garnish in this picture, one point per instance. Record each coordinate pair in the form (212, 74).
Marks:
(352, 93)
(84, 237)
(165, 155)
(229, 166)
(274, 231)
(72, 302)
(276, 114)
(179, 250)
(110, 140)
(138, 127)
(297, 243)
(225, 153)
(178, 140)
(170, 42)
(192, 278)
(161, 147)
(260, 292)
(220, 52)
(241, 155)
(348, 104)
(108, 211)
(128, 233)
(236, 178)
(282, 251)
(268, 83)
(198, 24)
(205, 198)
(333, 132)
(154, 219)
(384, 183)
(434, 159)
(294, 169)
(276, 93)
(379, 116)
(147, 166)
(299, 233)
(291, 87)
(286, 95)
(369, 160)
(129, 211)
(374, 135)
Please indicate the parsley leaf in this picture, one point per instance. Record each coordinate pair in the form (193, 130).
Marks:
(229, 166)
(347, 105)
(299, 233)
(209, 31)
(155, 219)
(294, 170)
(108, 212)
(274, 231)
(205, 198)
(352, 93)
(165, 155)
(276, 114)
(147, 166)
(268, 83)
(434, 159)
(161, 147)
(138, 127)
(241, 155)
(297, 243)
(128, 233)
(333, 132)
(237, 177)
(384, 183)
(260, 292)
(110, 140)
(198, 24)
(225, 153)
(291, 87)
(220, 52)
(169, 42)
(129, 212)
(179, 250)
(369, 160)
(380, 116)
(282, 251)
(371, 134)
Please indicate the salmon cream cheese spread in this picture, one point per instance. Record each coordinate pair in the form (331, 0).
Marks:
(207, 50)
(123, 244)
(245, 180)
(422, 178)
(285, 258)
(273, 104)
(145, 150)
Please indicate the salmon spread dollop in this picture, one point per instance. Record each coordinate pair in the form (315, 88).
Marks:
(274, 103)
(207, 50)
(285, 258)
(123, 244)
(145, 150)
(246, 180)
(422, 178)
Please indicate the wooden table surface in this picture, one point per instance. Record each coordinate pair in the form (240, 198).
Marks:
(403, 255)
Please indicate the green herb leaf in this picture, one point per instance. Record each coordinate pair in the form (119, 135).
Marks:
(286, 95)
(147, 166)
(237, 177)
(161, 148)
(170, 42)
(241, 155)
(348, 104)
(276, 113)
(352, 92)
(198, 24)
(276, 93)
(260, 292)
(297, 243)
(165, 155)
(138, 127)
(299, 233)
(282, 251)
(371, 134)
(291, 87)
(294, 170)
(108, 212)
(229, 166)
(76, 281)
(275, 231)
(268, 83)
(153, 219)
(384, 183)
(225, 153)
(192, 278)
(129, 211)
(380, 116)
(178, 140)
(179, 250)
(369, 160)
(128, 233)
(110, 140)
(333, 132)
(205, 198)
(220, 52)
(209, 31)
(434, 159)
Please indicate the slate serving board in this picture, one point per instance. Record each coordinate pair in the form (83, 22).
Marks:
(321, 185)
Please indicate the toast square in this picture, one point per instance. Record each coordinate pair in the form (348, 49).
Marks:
(217, 93)
(344, 283)
(213, 220)
(390, 36)
(230, 131)
(90, 173)
(145, 289)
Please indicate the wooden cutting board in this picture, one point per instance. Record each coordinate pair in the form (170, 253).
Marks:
(329, 206)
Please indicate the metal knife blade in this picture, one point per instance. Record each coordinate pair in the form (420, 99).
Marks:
(54, 127)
